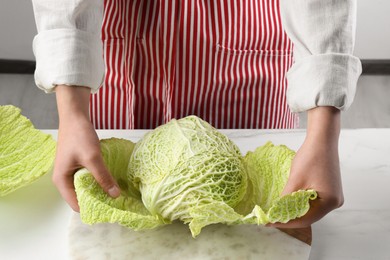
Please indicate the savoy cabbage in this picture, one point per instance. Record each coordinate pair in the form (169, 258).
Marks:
(187, 170)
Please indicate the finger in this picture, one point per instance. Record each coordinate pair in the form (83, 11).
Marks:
(63, 180)
(103, 177)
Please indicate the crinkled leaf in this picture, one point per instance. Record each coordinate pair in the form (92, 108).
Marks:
(284, 209)
(97, 207)
(268, 168)
(217, 212)
(25, 152)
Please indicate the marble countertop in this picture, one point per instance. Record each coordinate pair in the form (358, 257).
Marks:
(35, 223)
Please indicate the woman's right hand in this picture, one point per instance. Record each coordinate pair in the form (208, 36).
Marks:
(78, 145)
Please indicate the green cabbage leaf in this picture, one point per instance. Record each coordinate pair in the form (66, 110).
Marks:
(186, 170)
(25, 152)
(97, 207)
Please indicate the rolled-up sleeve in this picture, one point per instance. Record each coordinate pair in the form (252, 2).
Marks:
(68, 48)
(325, 72)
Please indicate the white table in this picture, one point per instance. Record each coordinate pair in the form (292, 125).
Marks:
(34, 221)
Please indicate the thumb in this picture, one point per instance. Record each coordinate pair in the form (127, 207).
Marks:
(103, 177)
(293, 184)
(297, 180)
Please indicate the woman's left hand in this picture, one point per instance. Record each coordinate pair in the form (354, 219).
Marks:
(316, 166)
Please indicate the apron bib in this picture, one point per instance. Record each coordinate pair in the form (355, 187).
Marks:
(224, 61)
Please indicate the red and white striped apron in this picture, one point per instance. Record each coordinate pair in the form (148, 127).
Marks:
(224, 61)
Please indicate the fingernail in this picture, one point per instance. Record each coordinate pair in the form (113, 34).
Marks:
(114, 192)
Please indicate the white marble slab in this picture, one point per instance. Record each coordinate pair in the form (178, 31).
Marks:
(112, 241)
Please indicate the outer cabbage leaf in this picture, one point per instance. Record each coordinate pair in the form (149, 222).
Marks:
(97, 207)
(25, 152)
(283, 209)
(268, 168)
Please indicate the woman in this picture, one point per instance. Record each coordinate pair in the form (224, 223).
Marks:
(225, 61)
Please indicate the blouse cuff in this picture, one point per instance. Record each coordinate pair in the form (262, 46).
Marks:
(323, 80)
(69, 57)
